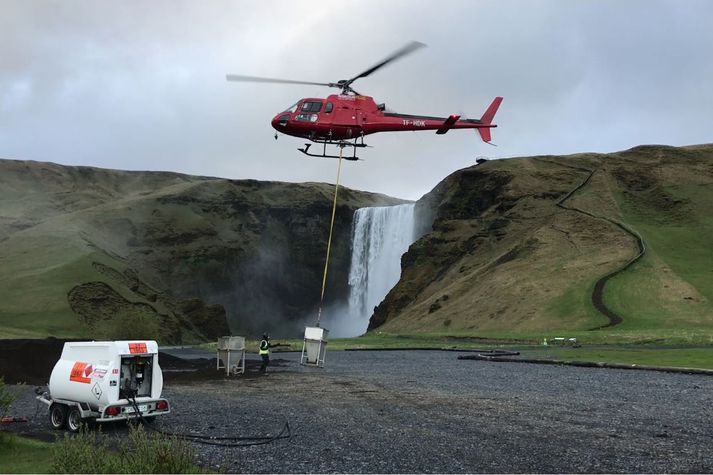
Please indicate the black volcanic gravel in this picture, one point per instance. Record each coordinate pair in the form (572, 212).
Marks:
(426, 411)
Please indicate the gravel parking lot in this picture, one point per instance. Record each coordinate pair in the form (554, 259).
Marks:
(427, 411)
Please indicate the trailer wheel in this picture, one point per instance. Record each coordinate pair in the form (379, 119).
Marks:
(74, 420)
(58, 416)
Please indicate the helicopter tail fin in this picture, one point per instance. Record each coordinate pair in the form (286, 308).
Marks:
(490, 112)
(485, 133)
(487, 119)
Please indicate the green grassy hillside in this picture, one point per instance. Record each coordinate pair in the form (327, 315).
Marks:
(93, 253)
(502, 259)
(510, 249)
(669, 203)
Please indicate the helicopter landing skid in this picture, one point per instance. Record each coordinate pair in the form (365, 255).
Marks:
(342, 144)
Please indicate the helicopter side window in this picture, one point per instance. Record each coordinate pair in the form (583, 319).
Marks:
(283, 119)
(311, 106)
(328, 107)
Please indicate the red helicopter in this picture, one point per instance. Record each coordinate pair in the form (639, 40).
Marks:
(344, 119)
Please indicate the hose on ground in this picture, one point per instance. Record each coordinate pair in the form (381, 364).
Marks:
(239, 441)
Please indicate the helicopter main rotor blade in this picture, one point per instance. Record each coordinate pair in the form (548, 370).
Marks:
(241, 78)
(409, 48)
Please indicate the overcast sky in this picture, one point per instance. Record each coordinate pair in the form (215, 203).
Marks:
(141, 85)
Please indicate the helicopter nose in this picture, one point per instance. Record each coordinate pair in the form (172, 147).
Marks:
(275, 121)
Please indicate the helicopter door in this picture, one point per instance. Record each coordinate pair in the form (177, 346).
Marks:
(342, 119)
(327, 115)
(329, 109)
(359, 118)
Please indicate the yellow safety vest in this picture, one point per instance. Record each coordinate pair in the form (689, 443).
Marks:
(264, 348)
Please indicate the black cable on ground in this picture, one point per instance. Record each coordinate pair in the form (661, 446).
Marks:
(489, 355)
(591, 364)
(247, 441)
(425, 348)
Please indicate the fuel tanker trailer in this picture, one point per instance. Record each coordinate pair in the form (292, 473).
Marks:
(105, 381)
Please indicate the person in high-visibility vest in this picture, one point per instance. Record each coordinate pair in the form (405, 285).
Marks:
(265, 352)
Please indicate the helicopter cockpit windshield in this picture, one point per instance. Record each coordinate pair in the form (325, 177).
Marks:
(293, 107)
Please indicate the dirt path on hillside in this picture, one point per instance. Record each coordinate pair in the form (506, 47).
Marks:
(598, 291)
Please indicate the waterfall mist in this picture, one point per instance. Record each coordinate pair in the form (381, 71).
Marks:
(380, 236)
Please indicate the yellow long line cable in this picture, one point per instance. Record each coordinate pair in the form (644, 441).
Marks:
(329, 241)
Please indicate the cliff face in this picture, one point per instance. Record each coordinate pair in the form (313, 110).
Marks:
(519, 244)
(87, 252)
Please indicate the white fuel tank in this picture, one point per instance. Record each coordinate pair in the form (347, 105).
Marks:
(102, 373)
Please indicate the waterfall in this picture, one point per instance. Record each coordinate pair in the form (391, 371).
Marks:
(380, 236)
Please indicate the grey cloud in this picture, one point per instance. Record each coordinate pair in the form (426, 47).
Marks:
(139, 85)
